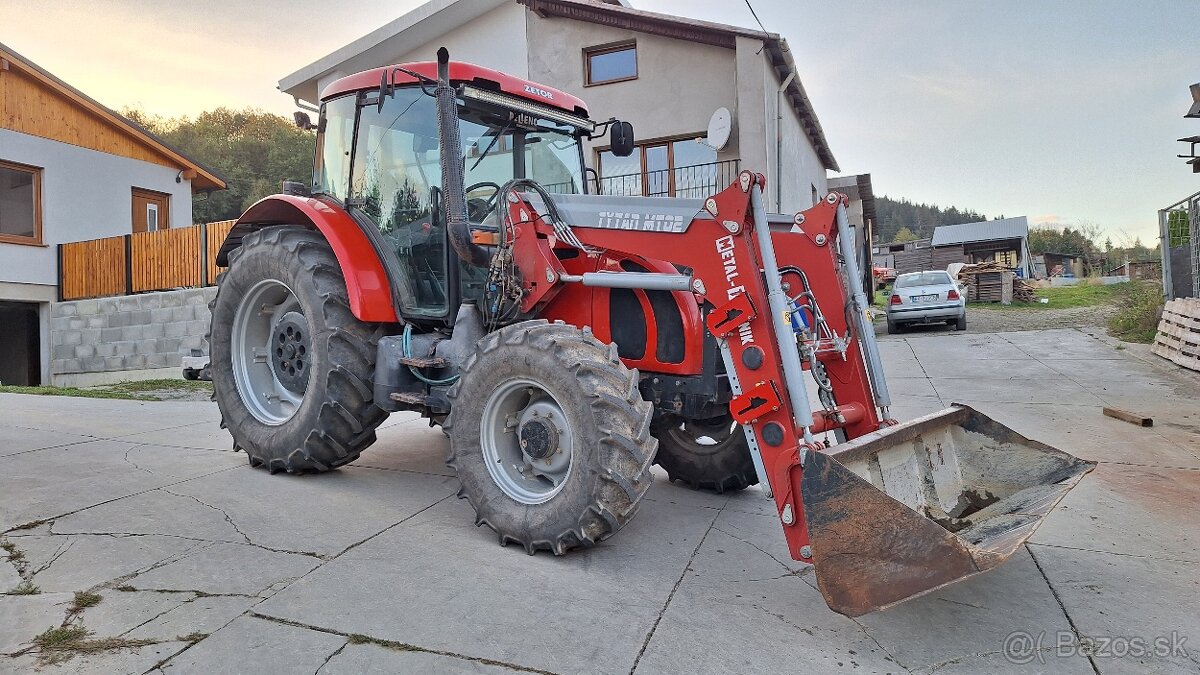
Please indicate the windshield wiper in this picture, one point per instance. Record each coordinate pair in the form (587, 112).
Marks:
(492, 144)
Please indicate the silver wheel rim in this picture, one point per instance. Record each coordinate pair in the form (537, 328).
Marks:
(260, 314)
(517, 412)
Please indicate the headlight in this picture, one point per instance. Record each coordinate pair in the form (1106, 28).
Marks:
(521, 105)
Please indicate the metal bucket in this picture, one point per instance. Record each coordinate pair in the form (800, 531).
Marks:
(911, 508)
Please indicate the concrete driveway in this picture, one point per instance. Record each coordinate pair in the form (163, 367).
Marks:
(205, 565)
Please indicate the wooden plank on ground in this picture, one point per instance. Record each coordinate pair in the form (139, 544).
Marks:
(1126, 416)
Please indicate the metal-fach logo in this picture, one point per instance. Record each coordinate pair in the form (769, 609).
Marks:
(1022, 647)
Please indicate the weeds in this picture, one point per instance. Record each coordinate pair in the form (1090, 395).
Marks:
(57, 645)
(1139, 308)
(26, 587)
(84, 599)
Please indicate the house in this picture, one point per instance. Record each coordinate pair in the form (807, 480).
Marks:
(70, 170)
(1004, 241)
(861, 214)
(667, 75)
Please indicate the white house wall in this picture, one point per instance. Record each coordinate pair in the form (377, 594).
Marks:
(679, 83)
(86, 194)
(758, 89)
(495, 39)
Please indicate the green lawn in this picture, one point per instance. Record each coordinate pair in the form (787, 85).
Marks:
(1061, 297)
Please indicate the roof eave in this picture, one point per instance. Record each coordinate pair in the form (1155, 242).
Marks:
(206, 180)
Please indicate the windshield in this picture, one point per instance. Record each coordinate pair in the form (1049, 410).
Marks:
(922, 279)
(394, 176)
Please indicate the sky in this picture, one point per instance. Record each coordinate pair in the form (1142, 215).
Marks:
(1065, 111)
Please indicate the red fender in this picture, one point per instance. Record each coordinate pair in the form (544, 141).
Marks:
(366, 281)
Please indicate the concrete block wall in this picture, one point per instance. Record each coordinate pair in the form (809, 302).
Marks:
(106, 340)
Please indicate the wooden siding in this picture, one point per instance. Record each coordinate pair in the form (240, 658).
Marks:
(214, 236)
(31, 107)
(165, 259)
(92, 269)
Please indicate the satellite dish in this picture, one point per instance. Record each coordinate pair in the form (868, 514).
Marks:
(719, 126)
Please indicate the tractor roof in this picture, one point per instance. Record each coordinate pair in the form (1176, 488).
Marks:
(461, 72)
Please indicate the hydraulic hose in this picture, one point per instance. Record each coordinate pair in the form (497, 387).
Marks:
(454, 192)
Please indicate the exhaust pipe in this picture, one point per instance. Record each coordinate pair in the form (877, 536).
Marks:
(454, 194)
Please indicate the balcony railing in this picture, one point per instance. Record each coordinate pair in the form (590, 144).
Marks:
(698, 181)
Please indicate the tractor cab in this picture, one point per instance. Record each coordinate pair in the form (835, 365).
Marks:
(378, 153)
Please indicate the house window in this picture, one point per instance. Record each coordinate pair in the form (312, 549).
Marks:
(612, 63)
(20, 204)
(682, 168)
(151, 210)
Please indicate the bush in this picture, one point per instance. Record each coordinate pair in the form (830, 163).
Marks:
(1139, 307)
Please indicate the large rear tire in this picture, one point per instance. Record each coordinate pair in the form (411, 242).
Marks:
(705, 454)
(292, 366)
(550, 437)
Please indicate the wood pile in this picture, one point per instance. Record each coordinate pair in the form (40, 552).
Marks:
(1178, 338)
(985, 283)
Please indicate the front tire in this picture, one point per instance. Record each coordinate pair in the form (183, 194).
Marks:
(705, 454)
(291, 366)
(550, 437)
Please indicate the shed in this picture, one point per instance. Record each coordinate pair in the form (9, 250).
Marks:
(1005, 241)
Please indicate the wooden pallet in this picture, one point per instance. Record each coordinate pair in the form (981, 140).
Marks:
(1178, 338)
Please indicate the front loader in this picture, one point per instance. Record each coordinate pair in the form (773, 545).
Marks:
(567, 341)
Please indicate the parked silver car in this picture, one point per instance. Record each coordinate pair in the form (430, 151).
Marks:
(926, 297)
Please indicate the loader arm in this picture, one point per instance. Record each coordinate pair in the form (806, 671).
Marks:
(722, 250)
(892, 512)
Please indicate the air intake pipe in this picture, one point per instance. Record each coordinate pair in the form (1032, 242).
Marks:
(454, 194)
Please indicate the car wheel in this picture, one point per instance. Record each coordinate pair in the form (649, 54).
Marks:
(892, 328)
(961, 324)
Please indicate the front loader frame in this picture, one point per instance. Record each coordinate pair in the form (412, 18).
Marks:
(732, 256)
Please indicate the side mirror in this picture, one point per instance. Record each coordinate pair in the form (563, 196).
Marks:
(620, 139)
(302, 120)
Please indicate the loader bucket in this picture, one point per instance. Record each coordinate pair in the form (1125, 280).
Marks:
(914, 507)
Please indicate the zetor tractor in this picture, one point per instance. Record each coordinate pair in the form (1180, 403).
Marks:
(449, 260)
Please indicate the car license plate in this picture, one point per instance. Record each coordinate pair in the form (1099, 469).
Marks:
(924, 298)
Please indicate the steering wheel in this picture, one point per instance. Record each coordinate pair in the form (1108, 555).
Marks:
(478, 209)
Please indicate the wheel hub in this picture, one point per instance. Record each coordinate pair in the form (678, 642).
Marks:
(527, 442)
(290, 359)
(539, 438)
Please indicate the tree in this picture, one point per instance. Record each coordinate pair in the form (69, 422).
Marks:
(891, 215)
(905, 234)
(254, 150)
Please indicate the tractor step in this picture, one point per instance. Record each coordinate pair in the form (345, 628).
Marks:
(418, 397)
(423, 361)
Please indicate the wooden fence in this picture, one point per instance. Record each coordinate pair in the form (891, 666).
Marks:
(1178, 336)
(183, 257)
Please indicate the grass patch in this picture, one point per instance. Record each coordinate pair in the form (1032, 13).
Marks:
(140, 386)
(71, 391)
(1083, 294)
(129, 391)
(57, 645)
(84, 599)
(25, 588)
(1139, 308)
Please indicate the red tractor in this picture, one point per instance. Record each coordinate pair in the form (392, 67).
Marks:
(448, 259)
